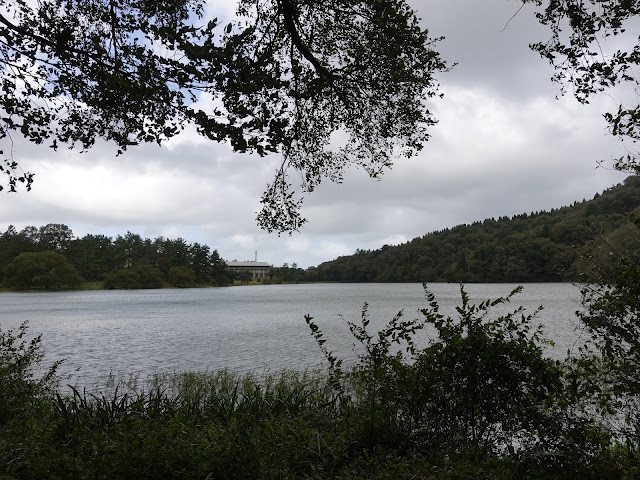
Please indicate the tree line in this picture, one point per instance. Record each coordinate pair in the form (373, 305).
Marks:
(51, 257)
(546, 246)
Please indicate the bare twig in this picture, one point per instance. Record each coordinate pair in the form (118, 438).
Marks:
(514, 16)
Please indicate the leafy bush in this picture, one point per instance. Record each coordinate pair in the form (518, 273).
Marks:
(150, 276)
(127, 279)
(610, 376)
(483, 385)
(182, 277)
(140, 276)
(373, 391)
(478, 400)
(20, 361)
(41, 270)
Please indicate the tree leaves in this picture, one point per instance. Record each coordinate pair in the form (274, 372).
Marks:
(578, 52)
(289, 76)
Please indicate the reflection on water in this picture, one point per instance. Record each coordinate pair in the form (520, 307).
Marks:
(253, 328)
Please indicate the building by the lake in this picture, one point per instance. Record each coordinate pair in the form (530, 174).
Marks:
(257, 269)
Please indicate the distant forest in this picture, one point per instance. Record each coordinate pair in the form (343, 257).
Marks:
(538, 247)
(51, 257)
(559, 245)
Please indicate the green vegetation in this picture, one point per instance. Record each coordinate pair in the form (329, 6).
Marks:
(124, 262)
(579, 29)
(41, 271)
(540, 247)
(611, 299)
(182, 277)
(19, 387)
(479, 401)
(140, 276)
(289, 274)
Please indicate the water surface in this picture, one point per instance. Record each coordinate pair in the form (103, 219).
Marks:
(252, 328)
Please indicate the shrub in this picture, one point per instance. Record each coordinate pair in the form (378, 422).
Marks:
(20, 359)
(482, 386)
(140, 276)
(150, 276)
(126, 279)
(182, 277)
(41, 270)
(611, 374)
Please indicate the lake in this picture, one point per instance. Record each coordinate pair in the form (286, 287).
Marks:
(245, 329)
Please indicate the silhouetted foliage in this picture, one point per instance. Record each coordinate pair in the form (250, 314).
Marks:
(611, 298)
(480, 388)
(23, 378)
(594, 48)
(284, 79)
(479, 400)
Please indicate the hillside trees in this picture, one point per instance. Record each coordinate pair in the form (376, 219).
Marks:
(542, 247)
(283, 79)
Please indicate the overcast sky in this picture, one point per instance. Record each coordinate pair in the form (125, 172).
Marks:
(503, 145)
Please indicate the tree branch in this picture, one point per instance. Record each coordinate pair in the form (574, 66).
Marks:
(56, 46)
(289, 15)
(513, 16)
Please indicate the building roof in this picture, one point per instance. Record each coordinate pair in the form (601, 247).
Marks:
(248, 264)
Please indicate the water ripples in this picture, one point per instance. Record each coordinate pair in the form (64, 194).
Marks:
(244, 329)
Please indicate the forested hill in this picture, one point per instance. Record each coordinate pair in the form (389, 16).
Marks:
(540, 247)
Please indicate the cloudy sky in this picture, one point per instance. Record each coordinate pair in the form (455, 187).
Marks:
(504, 145)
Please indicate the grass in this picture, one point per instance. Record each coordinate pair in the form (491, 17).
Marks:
(227, 426)
(216, 425)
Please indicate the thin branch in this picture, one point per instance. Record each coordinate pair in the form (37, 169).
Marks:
(514, 16)
(44, 41)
